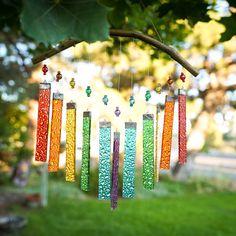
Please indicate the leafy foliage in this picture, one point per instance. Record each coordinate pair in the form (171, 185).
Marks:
(50, 22)
(54, 21)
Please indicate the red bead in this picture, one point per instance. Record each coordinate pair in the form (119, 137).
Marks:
(58, 76)
(44, 69)
(182, 77)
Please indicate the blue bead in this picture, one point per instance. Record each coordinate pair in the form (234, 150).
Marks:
(105, 100)
(131, 101)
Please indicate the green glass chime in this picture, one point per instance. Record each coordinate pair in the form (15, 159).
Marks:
(85, 169)
(148, 151)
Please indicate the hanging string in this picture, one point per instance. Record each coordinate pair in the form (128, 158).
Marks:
(132, 76)
(132, 81)
(118, 84)
(117, 110)
(152, 23)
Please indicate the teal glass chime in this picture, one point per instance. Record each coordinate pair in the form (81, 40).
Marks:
(104, 176)
(129, 160)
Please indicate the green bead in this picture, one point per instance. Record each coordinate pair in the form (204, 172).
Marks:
(131, 101)
(105, 99)
(88, 91)
(147, 95)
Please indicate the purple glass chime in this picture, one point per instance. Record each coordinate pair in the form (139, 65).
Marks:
(115, 169)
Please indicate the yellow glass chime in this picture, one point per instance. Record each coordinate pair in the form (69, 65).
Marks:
(156, 160)
(70, 138)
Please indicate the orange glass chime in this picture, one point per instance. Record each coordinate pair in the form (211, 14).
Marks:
(55, 137)
(43, 119)
(167, 129)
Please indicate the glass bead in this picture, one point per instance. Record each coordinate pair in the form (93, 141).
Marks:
(170, 81)
(88, 91)
(159, 88)
(105, 100)
(72, 83)
(117, 111)
(182, 77)
(44, 69)
(147, 95)
(131, 101)
(58, 76)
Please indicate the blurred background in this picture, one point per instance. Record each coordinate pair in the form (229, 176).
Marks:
(195, 199)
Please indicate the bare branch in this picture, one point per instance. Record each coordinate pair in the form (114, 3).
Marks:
(124, 33)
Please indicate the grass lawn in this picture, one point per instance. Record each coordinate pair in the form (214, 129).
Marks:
(197, 208)
(201, 214)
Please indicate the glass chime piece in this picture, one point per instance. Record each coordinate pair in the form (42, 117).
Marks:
(182, 126)
(167, 133)
(156, 162)
(148, 151)
(170, 81)
(117, 111)
(58, 76)
(88, 91)
(115, 170)
(85, 169)
(182, 77)
(105, 99)
(43, 121)
(44, 69)
(129, 160)
(72, 83)
(55, 137)
(104, 177)
(70, 141)
(158, 88)
(131, 101)
(147, 95)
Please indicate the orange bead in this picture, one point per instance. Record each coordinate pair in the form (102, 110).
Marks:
(58, 76)
(170, 81)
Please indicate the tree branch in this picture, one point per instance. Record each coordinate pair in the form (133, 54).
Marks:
(129, 34)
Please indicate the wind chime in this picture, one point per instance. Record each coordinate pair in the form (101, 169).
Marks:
(70, 137)
(109, 151)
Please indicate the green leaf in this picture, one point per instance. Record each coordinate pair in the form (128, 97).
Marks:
(194, 11)
(50, 22)
(229, 23)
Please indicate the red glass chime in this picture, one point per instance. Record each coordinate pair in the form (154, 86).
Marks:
(182, 123)
(43, 119)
